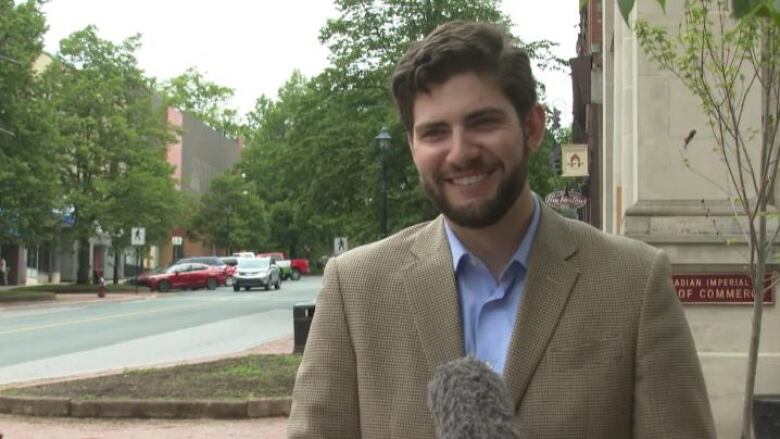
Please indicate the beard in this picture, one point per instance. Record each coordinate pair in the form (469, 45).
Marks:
(486, 212)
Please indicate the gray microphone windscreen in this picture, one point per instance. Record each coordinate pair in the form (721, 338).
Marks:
(470, 401)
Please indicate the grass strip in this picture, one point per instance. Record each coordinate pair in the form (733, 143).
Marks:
(251, 376)
(76, 288)
(24, 296)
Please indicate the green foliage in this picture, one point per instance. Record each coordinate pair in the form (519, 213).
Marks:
(192, 92)
(742, 9)
(28, 194)
(111, 140)
(313, 148)
(231, 215)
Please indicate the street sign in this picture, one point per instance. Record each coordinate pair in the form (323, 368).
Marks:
(177, 240)
(340, 245)
(138, 236)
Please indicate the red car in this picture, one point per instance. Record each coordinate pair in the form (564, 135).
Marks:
(186, 275)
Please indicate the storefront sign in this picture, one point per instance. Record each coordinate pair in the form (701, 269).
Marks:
(574, 160)
(566, 199)
(730, 288)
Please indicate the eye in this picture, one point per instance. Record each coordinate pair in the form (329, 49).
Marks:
(432, 133)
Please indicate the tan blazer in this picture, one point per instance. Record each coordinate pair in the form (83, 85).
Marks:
(601, 348)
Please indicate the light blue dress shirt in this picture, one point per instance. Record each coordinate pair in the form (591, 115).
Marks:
(488, 308)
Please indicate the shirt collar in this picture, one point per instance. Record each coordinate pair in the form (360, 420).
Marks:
(522, 253)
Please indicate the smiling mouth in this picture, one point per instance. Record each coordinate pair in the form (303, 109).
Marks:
(470, 180)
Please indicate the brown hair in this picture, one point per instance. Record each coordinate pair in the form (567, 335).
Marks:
(460, 47)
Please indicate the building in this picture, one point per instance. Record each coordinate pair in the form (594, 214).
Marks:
(636, 120)
(198, 155)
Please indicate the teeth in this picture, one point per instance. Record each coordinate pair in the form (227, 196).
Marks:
(465, 181)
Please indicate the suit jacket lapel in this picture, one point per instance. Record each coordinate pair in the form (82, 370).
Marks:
(548, 283)
(430, 288)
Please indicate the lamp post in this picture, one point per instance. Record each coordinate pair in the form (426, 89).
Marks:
(227, 231)
(383, 140)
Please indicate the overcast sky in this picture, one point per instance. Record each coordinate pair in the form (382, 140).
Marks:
(254, 46)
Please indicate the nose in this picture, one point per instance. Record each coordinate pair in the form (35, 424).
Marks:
(463, 150)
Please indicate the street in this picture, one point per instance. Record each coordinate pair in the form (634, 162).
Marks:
(47, 341)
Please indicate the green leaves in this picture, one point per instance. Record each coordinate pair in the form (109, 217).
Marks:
(192, 92)
(28, 160)
(625, 7)
(760, 8)
(112, 166)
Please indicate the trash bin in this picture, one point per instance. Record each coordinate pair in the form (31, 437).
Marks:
(303, 313)
(766, 416)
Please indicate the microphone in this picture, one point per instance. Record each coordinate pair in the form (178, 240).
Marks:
(470, 401)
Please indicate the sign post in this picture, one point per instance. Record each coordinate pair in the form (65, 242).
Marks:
(137, 239)
(176, 241)
(340, 245)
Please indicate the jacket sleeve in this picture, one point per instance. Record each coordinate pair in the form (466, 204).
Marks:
(670, 396)
(325, 400)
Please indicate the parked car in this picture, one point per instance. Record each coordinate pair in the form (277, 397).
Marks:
(186, 275)
(230, 260)
(214, 261)
(244, 254)
(257, 272)
(291, 268)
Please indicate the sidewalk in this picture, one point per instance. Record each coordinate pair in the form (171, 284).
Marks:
(30, 427)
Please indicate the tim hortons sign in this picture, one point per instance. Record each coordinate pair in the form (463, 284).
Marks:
(719, 288)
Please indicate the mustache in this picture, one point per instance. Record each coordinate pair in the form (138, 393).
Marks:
(477, 165)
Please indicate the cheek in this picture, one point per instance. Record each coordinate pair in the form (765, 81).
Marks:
(427, 161)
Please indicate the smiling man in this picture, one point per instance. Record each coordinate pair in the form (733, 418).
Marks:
(585, 328)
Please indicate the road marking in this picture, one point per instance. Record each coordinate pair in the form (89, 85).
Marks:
(98, 319)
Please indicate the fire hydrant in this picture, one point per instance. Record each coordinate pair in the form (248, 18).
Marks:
(101, 288)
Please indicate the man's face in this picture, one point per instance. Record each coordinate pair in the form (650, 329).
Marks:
(470, 149)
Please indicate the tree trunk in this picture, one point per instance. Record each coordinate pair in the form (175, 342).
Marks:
(116, 265)
(82, 274)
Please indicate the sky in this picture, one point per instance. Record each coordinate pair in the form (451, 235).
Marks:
(254, 46)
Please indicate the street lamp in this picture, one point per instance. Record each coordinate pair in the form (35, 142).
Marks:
(383, 140)
(227, 230)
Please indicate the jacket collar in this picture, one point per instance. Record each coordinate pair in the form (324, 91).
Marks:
(430, 288)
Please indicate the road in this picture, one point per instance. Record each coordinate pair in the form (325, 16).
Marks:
(45, 341)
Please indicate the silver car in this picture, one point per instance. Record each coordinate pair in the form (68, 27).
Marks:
(256, 272)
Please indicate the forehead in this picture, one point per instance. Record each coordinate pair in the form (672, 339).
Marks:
(458, 97)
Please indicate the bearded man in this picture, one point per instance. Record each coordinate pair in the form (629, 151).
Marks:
(585, 328)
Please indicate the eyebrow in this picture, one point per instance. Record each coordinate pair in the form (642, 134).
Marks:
(486, 112)
(426, 126)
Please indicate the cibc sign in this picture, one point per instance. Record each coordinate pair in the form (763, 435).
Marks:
(719, 288)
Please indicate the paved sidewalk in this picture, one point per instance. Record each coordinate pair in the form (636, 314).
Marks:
(29, 427)
(20, 427)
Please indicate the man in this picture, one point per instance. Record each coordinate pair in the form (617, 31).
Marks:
(585, 328)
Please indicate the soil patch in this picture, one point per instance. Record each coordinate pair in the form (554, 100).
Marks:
(251, 376)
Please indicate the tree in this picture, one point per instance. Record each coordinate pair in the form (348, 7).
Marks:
(726, 63)
(231, 215)
(27, 149)
(313, 148)
(112, 142)
(192, 92)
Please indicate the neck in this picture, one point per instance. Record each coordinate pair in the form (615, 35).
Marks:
(494, 245)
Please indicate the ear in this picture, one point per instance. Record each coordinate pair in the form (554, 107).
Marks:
(535, 127)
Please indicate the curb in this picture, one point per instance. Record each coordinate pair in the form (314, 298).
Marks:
(163, 409)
